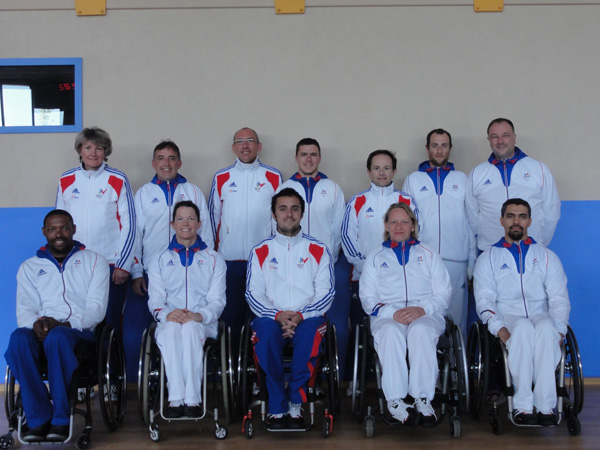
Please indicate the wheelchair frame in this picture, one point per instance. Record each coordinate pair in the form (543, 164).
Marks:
(486, 357)
(152, 391)
(250, 374)
(107, 371)
(454, 394)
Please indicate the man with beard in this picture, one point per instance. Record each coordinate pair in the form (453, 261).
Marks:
(521, 294)
(290, 288)
(62, 294)
(439, 190)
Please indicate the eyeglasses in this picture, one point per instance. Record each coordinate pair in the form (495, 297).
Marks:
(250, 140)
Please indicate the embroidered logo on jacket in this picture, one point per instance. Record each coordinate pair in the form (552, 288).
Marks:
(526, 176)
(323, 193)
(75, 193)
(369, 213)
(100, 193)
(154, 200)
(301, 262)
(504, 266)
(487, 182)
(273, 263)
(170, 263)
(420, 258)
(424, 189)
(77, 262)
(455, 187)
(258, 186)
(384, 265)
(41, 272)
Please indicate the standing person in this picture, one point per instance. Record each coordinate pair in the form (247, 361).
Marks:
(154, 209)
(405, 288)
(439, 190)
(362, 227)
(323, 220)
(510, 173)
(521, 294)
(290, 288)
(187, 296)
(62, 294)
(239, 207)
(100, 200)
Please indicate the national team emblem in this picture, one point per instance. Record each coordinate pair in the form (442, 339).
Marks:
(535, 261)
(100, 193)
(323, 193)
(419, 258)
(455, 187)
(181, 197)
(258, 186)
(77, 262)
(302, 261)
(526, 176)
(200, 261)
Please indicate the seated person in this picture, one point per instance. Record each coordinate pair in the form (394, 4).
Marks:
(405, 288)
(186, 297)
(290, 287)
(62, 294)
(521, 294)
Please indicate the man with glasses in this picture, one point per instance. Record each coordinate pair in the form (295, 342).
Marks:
(240, 212)
(510, 173)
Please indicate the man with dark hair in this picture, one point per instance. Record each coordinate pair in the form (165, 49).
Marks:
(290, 288)
(510, 173)
(323, 221)
(154, 206)
(239, 206)
(439, 190)
(62, 295)
(521, 294)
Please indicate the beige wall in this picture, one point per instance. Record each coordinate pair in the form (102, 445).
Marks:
(355, 78)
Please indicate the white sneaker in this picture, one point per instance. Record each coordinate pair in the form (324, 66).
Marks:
(398, 409)
(81, 392)
(295, 410)
(424, 408)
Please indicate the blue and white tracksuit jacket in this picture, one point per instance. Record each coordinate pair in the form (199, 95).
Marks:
(522, 286)
(395, 276)
(493, 182)
(193, 279)
(101, 203)
(325, 207)
(154, 212)
(362, 228)
(240, 207)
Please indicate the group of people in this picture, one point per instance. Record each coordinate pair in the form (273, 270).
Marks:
(266, 250)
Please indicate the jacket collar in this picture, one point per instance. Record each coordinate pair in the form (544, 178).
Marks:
(382, 190)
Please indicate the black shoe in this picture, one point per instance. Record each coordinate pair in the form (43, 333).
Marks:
(192, 411)
(547, 420)
(277, 423)
(58, 433)
(524, 418)
(174, 412)
(37, 434)
(296, 423)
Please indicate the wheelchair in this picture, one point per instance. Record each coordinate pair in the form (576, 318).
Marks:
(152, 379)
(251, 391)
(452, 389)
(487, 357)
(102, 364)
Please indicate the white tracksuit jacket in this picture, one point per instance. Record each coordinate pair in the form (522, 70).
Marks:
(362, 228)
(290, 274)
(154, 203)
(396, 276)
(240, 207)
(101, 203)
(493, 182)
(325, 207)
(75, 290)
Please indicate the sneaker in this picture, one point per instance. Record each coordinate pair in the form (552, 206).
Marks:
(524, 417)
(174, 412)
(194, 411)
(399, 410)
(81, 393)
(114, 393)
(295, 419)
(547, 419)
(255, 389)
(37, 434)
(424, 408)
(58, 433)
(276, 421)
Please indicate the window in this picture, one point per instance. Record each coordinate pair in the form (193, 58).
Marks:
(40, 95)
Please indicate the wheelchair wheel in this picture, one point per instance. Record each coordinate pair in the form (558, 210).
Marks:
(112, 378)
(141, 369)
(478, 366)
(355, 371)
(573, 374)
(333, 382)
(458, 366)
(226, 372)
(245, 365)
(150, 375)
(10, 398)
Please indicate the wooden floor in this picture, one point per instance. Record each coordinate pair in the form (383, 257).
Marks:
(348, 433)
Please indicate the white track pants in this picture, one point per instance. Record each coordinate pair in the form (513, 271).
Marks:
(182, 349)
(458, 302)
(533, 354)
(392, 340)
